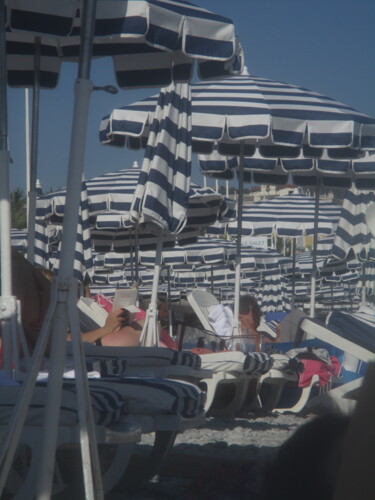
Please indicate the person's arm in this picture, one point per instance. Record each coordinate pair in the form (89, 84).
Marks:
(114, 321)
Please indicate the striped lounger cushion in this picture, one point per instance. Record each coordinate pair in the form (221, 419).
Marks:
(141, 356)
(148, 396)
(107, 403)
(236, 362)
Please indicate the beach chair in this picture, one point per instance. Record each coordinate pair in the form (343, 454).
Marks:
(115, 436)
(202, 303)
(124, 409)
(353, 334)
(234, 384)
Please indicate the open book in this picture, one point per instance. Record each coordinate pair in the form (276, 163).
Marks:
(127, 299)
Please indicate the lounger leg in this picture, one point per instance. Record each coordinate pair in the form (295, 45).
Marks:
(151, 465)
(301, 403)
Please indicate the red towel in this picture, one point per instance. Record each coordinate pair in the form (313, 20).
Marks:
(324, 370)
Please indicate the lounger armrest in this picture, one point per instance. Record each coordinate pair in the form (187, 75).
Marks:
(316, 329)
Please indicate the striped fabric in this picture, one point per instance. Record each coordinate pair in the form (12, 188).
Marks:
(353, 237)
(257, 363)
(107, 404)
(83, 259)
(18, 239)
(109, 201)
(151, 42)
(154, 396)
(296, 130)
(291, 215)
(358, 328)
(143, 356)
(161, 196)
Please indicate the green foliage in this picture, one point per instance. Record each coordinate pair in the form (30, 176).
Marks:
(18, 209)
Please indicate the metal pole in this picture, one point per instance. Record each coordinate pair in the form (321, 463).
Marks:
(315, 244)
(237, 286)
(27, 146)
(31, 195)
(8, 306)
(294, 270)
(67, 293)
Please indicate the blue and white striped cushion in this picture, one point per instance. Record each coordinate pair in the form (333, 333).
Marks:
(150, 396)
(143, 356)
(107, 404)
(257, 363)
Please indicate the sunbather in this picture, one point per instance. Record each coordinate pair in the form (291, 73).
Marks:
(33, 289)
(249, 316)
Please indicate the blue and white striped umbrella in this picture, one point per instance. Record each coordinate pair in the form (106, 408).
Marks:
(353, 238)
(285, 129)
(45, 244)
(292, 215)
(19, 239)
(161, 197)
(152, 42)
(109, 202)
(276, 129)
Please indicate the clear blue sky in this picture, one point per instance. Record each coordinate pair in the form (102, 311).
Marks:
(325, 45)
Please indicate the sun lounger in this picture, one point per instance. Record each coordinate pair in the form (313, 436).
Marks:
(233, 385)
(111, 429)
(354, 334)
(202, 303)
(137, 405)
(274, 383)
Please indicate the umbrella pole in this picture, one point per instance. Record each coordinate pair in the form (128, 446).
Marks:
(31, 195)
(150, 334)
(315, 244)
(67, 296)
(294, 271)
(237, 287)
(170, 318)
(7, 301)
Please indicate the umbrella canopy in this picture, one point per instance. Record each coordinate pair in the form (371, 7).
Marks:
(145, 51)
(285, 129)
(109, 200)
(353, 237)
(292, 215)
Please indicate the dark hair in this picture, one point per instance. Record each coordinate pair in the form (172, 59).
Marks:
(248, 303)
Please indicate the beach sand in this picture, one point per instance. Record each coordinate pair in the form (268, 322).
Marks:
(222, 443)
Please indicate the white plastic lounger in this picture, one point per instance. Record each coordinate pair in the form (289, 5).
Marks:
(202, 303)
(277, 380)
(352, 335)
(111, 429)
(234, 385)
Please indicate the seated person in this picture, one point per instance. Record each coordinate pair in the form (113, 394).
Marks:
(120, 329)
(33, 289)
(249, 315)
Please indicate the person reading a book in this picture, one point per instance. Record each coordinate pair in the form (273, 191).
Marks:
(120, 329)
(33, 288)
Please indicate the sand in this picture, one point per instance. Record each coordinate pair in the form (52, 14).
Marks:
(234, 442)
